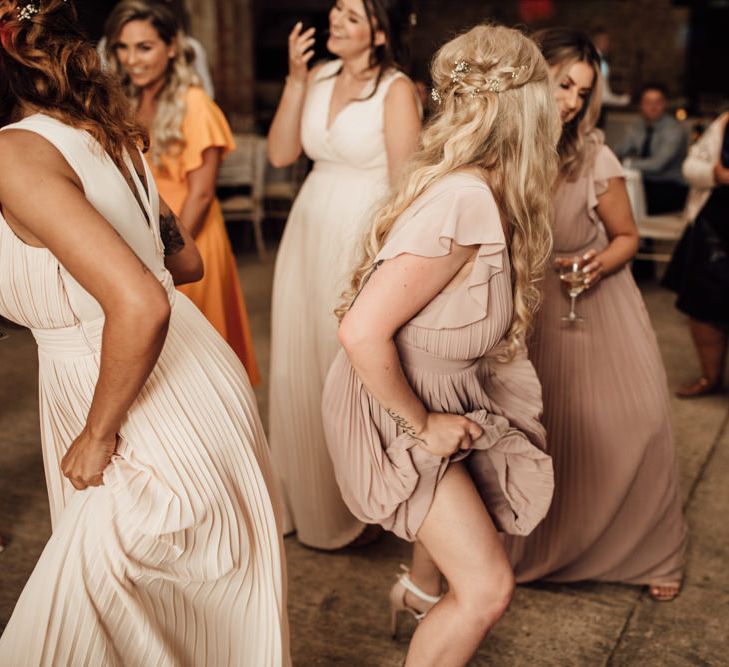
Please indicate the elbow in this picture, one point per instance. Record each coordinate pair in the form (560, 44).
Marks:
(149, 312)
(349, 336)
(279, 161)
(279, 156)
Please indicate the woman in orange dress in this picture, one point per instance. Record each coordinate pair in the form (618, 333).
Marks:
(189, 137)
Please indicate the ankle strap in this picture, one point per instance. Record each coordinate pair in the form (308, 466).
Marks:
(405, 580)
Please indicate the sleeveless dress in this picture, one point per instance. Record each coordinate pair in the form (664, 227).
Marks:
(176, 559)
(218, 295)
(616, 513)
(452, 353)
(315, 260)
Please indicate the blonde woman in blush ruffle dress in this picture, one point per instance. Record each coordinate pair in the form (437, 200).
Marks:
(432, 408)
(357, 118)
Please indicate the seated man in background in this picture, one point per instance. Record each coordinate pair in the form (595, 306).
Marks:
(656, 146)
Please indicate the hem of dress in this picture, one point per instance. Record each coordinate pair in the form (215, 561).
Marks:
(339, 544)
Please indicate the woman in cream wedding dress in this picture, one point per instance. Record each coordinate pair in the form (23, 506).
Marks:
(358, 123)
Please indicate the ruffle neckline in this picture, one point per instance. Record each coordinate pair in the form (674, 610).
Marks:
(459, 207)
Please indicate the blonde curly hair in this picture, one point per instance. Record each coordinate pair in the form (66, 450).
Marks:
(166, 130)
(497, 113)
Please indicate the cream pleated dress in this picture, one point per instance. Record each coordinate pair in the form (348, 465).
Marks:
(616, 513)
(176, 559)
(452, 353)
(314, 263)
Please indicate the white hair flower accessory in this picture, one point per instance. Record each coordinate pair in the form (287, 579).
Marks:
(28, 12)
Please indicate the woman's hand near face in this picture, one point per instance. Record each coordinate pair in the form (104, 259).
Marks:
(300, 53)
(284, 135)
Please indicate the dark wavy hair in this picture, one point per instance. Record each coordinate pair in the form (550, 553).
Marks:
(46, 63)
(394, 19)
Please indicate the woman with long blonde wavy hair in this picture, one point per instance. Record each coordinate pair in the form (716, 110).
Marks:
(165, 547)
(189, 136)
(431, 410)
(616, 513)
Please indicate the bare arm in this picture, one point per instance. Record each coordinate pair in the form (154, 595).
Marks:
(135, 305)
(201, 191)
(284, 136)
(182, 258)
(613, 207)
(402, 124)
(396, 291)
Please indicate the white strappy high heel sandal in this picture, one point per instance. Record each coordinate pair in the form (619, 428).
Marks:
(397, 600)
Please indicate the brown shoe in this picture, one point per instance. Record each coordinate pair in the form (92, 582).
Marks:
(702, 387)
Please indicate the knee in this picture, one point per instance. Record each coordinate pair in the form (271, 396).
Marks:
(487, 599)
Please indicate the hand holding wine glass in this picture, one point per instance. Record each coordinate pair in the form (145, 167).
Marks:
(592, 268)
(572, 274)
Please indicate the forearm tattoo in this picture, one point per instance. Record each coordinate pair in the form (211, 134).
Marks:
(404, 424)
(170, 234)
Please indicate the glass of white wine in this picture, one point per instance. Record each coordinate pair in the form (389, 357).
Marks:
(570, 272)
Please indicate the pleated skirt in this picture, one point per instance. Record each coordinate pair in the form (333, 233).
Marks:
(616, 513)
(177, 559)
(317, 255)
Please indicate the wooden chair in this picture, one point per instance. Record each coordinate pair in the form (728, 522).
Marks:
(661, 229)
(282, 186)
(241, 185)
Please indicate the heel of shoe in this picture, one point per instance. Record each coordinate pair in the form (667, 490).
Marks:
(394, 614)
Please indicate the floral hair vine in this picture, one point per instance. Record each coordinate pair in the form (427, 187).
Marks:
(463, 67)
(28, 11)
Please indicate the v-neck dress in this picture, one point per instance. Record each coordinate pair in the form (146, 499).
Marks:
(176, 559)
(315, 260)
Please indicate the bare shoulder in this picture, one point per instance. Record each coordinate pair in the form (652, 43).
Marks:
(402, 89)
(24, 153)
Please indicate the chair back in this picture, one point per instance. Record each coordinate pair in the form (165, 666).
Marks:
(245, 165)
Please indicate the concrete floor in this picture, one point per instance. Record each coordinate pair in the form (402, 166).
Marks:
(338, 605)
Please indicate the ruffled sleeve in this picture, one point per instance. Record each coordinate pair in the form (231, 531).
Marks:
(606, 166)
(204, 127)
(463, 210)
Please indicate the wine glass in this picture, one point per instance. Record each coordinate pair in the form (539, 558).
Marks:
(570, 272)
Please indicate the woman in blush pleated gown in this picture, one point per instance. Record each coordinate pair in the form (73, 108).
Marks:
(358, 118)
(616, 513)
(189, 137)
(432, 409)
(165, 547)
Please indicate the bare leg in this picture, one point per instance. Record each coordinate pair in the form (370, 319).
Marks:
(711, 344)
(460, 537)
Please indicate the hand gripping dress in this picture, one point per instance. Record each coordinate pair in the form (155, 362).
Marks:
(315, 259)
(452, 354)
(616, 513)
(176, 559)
